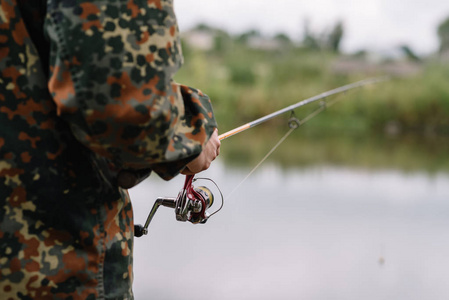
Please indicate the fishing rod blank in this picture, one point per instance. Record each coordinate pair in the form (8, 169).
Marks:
(321, 96)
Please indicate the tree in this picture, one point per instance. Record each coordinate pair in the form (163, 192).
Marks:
(335, 36)
(244, 37)
(204, 27)
(443, 34)
(222, 41)
(324, 40)
(410, 54)
(310, 40)
(283, 38)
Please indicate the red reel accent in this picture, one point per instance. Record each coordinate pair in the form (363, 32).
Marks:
(191, 194)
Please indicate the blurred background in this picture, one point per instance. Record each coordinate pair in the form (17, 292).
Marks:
(355, 203)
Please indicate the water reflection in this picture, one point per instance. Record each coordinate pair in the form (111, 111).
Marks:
(318, 233)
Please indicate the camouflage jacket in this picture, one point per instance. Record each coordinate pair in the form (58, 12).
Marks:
(86, 89)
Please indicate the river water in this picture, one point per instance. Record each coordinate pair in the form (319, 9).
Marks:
(318, 233)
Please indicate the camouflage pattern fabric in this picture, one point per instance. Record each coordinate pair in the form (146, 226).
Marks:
(86, 90)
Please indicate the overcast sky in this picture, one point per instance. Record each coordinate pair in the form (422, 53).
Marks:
(374, 24)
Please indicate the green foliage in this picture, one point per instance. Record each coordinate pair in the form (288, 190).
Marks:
(329, 41)
(241, 75)
(283, 38)
(443, 34)
(410, 54)
(258, 82)
(310, 40)
(335, 37)
(379, 121)
(244, 37)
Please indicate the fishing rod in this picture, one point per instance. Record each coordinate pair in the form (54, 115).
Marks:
(291, 108)
(192, 204)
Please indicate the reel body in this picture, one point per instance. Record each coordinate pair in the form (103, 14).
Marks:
(191, 205)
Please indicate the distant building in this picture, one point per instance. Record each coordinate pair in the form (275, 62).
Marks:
(199, 39)
(205, 39)
(262, 43)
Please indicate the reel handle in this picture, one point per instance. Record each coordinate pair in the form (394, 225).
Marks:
(140, 230)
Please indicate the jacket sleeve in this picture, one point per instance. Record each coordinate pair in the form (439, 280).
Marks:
(111, 69)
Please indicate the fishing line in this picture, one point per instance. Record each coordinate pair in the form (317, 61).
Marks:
(293, 123)
(261, 162)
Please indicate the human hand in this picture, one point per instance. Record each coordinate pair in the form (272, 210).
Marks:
(203, 161)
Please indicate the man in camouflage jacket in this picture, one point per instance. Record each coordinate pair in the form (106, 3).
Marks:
(86, 91)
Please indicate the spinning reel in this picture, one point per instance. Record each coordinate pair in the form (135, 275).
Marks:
(191, 205)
